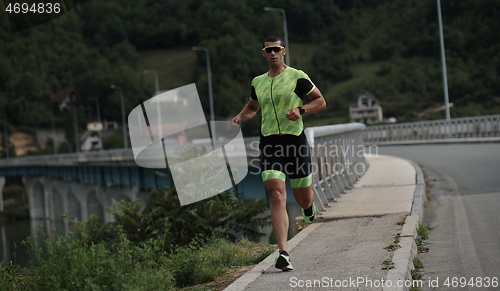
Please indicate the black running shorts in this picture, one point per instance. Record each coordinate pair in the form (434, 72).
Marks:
(286, 155)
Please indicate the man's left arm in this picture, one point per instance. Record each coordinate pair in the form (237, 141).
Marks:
(316, 104)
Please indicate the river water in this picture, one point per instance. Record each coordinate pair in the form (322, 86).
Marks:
(12, 234)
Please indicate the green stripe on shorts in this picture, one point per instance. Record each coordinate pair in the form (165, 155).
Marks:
(273, 174)
(301, 182)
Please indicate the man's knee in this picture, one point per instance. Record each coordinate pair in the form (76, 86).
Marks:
(278, 197)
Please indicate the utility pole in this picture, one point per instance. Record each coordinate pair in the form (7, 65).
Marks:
(443, 63)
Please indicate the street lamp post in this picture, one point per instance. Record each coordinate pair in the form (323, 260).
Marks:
(77, 138)
(209, 75)
(285, 29)
(98, 119)
(157, 83)
(443, 62)
(6, 137)
(124, 124)
(158, 109)
(53, 134)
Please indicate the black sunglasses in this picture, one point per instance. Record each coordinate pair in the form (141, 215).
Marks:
(275, 49)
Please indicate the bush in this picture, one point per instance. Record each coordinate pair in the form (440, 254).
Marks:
(223, 215)
(71, 264)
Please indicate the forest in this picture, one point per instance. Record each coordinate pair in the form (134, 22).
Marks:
(390, 48)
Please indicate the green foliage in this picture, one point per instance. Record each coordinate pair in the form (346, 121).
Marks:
(417, 263)
(15, 278)
(223, 215)
(102, 43)
(115, 140)
(388, 264)
(193, 265)
(68, 263)
(422, 234)
(423, 230)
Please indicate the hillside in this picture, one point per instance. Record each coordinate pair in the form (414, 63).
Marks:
(390, 48)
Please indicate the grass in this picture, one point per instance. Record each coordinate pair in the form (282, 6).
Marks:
(422, 235)
(423, 231)
(301, 55)
(174, 67)
(362, 72)
(67, 264)
(388, 264)
(418, 264)
(392, 247)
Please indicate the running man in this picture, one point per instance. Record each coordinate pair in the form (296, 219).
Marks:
(283, 145)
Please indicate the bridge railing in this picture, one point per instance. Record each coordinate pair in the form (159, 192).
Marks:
(118, 157)
(479, 128)
(337, 154)
(338, 160)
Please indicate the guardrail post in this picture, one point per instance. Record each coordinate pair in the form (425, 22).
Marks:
(334, 158)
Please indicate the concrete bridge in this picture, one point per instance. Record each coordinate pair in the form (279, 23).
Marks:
(82, 184)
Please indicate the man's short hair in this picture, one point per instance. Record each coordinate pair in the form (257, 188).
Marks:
(273, 38)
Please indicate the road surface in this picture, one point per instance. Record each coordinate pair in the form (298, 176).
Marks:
(464, 207)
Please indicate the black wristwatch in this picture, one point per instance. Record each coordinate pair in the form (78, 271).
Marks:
(302, 110)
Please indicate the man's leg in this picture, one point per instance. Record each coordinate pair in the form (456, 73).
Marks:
(302, 191)
(279, 216)
(304, 196)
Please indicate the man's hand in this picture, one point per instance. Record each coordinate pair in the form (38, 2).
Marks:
(236, 120)
(293, 114)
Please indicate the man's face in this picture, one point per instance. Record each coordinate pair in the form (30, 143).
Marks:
(274, 59)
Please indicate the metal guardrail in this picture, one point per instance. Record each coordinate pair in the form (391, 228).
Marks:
(479, 128)
(337, 154)
(117, 157)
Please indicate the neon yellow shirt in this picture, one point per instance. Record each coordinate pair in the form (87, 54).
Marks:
(277, 96)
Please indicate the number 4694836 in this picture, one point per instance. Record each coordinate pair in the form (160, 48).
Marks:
(34, 8)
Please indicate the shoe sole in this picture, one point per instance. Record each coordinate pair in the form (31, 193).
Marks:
(311, 218)
(283, 264)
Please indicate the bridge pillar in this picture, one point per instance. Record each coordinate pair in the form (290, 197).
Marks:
(89, 200)
(73, 205)
(37, 197)
(83, 200)
(59, 199)
(50, 198)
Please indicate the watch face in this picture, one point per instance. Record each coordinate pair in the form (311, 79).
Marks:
(302, 110)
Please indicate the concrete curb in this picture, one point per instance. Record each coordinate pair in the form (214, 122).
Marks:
(399, 278)
(256, 271)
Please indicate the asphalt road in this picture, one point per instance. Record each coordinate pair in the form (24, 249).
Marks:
(464, 206)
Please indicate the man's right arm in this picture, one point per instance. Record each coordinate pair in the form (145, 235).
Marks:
(247, 112)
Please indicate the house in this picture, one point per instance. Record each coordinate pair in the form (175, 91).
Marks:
(366, 109)
(65, 98)
(90, 141)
